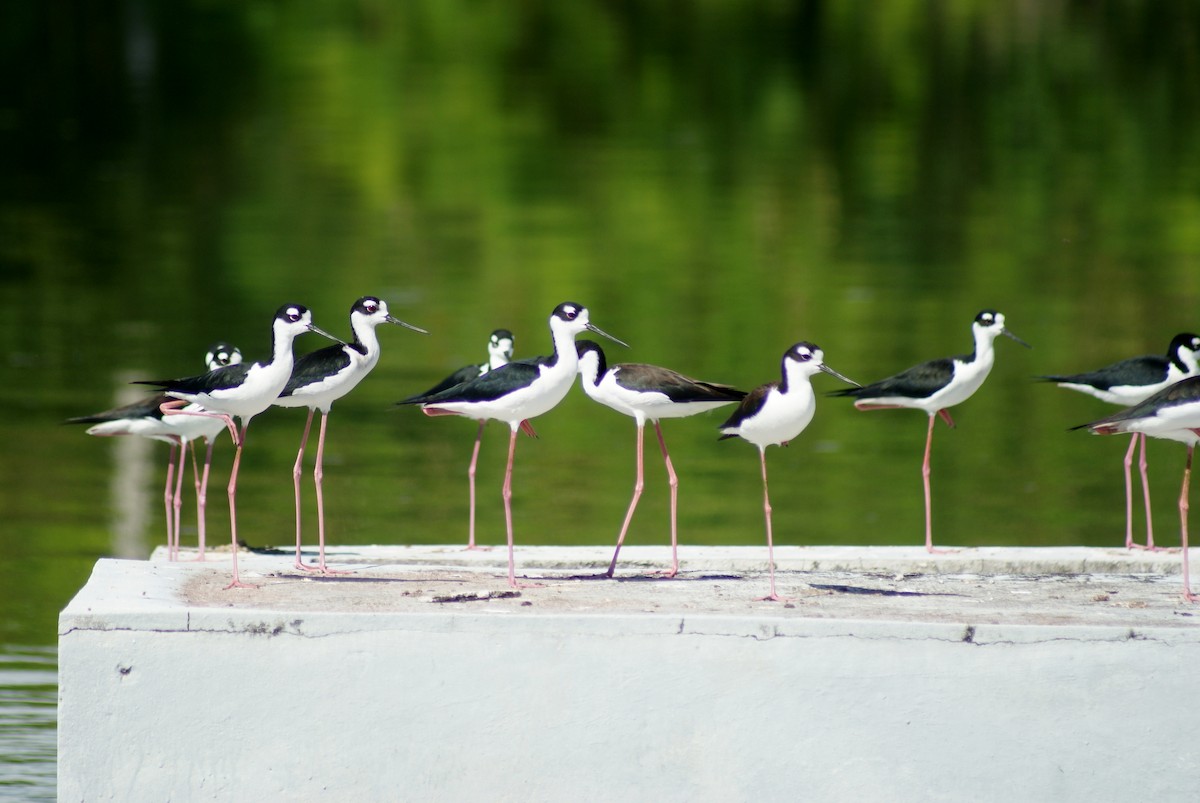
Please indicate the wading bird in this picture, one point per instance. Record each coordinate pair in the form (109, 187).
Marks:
(320, 378)
(517, 392)
(648, 393)
(774, 414)
(242, 391)
(935, 386)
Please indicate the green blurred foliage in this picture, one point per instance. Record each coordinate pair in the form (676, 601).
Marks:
(715, 179)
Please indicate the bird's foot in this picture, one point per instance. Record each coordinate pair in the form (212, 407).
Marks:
(238, 584)
(1152, 548)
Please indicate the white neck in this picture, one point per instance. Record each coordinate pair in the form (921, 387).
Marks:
(496, 358)
(281, 341)
(564, 346)
(364, 331)
(1188, 358)
(589, 368)
(985, 345)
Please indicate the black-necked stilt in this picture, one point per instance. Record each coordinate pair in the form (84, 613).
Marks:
(517, 392)
(1172, 414)
(500, 351)
(774, 413)
(934, 387)
(1130, 382)
(318, 380)
(145, 418)
(243, 391)
(648, 393)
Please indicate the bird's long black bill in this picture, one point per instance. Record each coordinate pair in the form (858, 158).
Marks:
(602, 333)
(845, 379)
(1014, 337)
(312, 327)
(391, 319)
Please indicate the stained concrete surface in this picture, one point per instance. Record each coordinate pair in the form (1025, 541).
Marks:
(984, 675)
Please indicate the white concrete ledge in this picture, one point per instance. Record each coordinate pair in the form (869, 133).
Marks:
(998, 674)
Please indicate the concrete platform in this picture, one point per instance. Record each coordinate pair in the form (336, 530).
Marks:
(986, 674)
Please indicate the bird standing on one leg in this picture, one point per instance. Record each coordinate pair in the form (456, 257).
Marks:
(318, 380)
(1131, 382)
(242, 391)
(517, 392)
(648, 393)
(500, 351)
(774, 414)
(934, 387)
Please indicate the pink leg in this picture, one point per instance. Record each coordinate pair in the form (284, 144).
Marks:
(762, 454)
(638, 485)
(178, 500)
(1183, 530)
(925, 472)
(202, 497)
(673, 480)
(297, 472)
(232, 490)
(171, 408)
(506, 492)
(167, 502)
(1129, 544)
(471, 481)
(318, 478)
(239, 440)
(1146, 494)
(196, 485)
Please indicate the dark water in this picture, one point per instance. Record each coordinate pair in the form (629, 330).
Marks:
(715, 181)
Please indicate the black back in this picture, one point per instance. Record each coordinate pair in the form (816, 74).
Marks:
(1149, 369)
(146, 408)
(492, 385)
(749, 405)
(1186, 391)
(917, 382)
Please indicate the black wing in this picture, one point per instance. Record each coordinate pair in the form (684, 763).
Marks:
(492, 385)
(316, 366)
(147, 408)
(750, 405)
(674, 385)
(1186, 391)
(464, 374)
(1148, 370)
(223, 378)
(915, 383)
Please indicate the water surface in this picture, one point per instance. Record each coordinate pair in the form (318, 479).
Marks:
(715, 181)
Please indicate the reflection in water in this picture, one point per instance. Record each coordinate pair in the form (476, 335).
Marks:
(28, 706)
(716, 180)
(130, 481)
